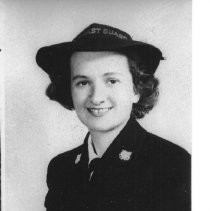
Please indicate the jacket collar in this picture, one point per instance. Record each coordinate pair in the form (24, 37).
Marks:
(126, 146)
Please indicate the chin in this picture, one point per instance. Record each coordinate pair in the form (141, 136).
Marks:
(97, 127)
(102, 129)
(103, 126)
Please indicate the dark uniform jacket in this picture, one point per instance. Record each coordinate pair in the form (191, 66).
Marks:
(138, 172)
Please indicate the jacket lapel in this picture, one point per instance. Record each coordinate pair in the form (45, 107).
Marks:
(115, 175)
(127, 145)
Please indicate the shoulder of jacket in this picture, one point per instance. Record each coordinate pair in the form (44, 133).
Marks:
(166, 152)
(68, 157)
(165, 145)
(157, 147)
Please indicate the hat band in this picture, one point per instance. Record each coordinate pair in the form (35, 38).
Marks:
(103, 32)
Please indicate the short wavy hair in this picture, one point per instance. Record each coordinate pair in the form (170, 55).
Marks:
(145, 84)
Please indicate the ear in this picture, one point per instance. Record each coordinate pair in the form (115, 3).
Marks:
(136, 97)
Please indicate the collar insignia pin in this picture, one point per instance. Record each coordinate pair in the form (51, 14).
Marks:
(125, 155)
(78, 159)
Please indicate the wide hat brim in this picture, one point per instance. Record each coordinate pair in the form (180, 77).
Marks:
(53, 59)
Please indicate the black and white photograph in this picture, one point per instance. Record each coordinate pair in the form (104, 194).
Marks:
(98, 112)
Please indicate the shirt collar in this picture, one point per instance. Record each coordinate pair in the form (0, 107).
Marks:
(91, 150)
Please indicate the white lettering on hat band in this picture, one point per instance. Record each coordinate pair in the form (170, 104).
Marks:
(105, 31)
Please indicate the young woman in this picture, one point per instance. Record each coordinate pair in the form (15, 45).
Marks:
(108, 79)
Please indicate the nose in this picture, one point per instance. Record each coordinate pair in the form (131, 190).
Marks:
(98, 94)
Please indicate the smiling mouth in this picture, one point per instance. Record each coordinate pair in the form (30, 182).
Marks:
(99, 111)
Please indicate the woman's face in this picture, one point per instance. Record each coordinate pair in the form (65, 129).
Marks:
(102, 89)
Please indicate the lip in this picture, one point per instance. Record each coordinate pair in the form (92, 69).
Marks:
(98, 112)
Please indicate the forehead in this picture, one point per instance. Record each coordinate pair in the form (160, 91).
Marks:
(100, 61)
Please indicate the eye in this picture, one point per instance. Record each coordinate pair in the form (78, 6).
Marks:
(113, 81)
(82, 83)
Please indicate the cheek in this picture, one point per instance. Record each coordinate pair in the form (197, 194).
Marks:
(75, 98)
(123, 100)
(125, 93)
(79, 98)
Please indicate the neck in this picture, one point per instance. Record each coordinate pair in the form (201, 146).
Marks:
(102, 139)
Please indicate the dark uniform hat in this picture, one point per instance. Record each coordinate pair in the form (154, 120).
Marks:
(97, 37)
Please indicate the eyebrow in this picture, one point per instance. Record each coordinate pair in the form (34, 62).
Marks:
(112, 73)
(79, 77)
(85, 77)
